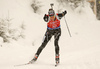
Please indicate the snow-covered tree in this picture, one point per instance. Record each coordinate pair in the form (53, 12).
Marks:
(3, 29)
(36, 6)
(72, 3)
(7, 32)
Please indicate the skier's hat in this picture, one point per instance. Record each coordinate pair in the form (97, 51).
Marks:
(51, 12)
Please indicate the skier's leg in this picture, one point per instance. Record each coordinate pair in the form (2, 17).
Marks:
(57, 36)
(46, 40)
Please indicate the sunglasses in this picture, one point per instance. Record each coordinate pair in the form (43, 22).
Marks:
(52, 16)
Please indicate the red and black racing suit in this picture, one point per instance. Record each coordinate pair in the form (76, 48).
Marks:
(53, 28)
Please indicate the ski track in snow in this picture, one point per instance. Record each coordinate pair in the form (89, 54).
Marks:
(81, 51)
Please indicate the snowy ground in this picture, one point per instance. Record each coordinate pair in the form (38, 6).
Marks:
(81, 51)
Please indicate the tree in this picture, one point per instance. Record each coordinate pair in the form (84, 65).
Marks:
(7, 32)
(72, 3)
(36, 6)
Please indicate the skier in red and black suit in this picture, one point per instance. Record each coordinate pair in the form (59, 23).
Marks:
(53, 28)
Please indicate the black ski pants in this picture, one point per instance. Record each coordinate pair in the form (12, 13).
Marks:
(48, 35)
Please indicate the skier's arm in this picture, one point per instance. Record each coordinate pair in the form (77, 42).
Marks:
(60, 15)
(46, 18)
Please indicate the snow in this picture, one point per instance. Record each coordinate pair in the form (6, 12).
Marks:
(81, 51)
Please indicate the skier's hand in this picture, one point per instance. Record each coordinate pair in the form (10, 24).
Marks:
(65, 12)
(45, 17)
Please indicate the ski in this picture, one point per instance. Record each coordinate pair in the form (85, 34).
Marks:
(30, 62)
(22, 64)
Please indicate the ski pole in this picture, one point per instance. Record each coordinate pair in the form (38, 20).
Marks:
(67, 26)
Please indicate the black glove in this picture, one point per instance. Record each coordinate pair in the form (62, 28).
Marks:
(64, 12)
(45, 18)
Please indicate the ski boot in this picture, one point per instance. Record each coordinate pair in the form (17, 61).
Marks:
(34, 59)
(57, 59)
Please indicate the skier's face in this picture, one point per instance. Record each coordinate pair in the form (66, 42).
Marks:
(52, 18)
